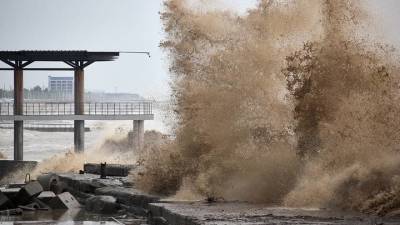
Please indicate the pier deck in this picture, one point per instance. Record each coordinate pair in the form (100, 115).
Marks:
(135, 110)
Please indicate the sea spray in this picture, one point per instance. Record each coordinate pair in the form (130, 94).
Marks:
(291, 104)
(346, 89)
(116, 148)
(234, 138)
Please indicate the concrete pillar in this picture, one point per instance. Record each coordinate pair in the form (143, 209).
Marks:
(79, 125)
(138, 134)
(18, 110)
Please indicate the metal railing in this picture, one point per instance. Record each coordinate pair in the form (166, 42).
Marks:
(90, 108)
(37, 125)
(50, 127)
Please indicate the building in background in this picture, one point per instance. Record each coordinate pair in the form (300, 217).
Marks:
(61, 87)
(61, 84)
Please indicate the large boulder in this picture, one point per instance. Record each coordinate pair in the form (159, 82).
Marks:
(102, 204)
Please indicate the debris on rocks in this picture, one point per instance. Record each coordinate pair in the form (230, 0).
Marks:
(33, 196)
(11, 212)
(71, 191)
(119, 170)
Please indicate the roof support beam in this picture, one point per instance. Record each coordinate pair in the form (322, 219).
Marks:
(85, 64)
(43, 69)
(70, 63)
(25, 64)
(16, 64)
(9, 63)
(79, 64)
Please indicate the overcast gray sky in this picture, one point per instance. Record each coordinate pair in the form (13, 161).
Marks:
(96, 25)
(116, 25)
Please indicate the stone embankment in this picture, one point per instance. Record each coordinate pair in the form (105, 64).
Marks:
(115, 197)
(163, 212)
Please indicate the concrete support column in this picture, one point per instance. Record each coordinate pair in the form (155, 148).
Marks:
(79, 125)
(138, 134)
(18, 110)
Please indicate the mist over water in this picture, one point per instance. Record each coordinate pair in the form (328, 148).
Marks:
(292, 104)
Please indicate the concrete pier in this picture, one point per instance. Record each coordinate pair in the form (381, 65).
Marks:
(79, 125)
(18, 110)
(138, 134)
(18, 61)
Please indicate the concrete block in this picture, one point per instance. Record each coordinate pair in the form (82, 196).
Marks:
(48, 181)
(64, 201)
(10, 192)
(46, 196)
(41, 204)
(28, 192)
(5, 202)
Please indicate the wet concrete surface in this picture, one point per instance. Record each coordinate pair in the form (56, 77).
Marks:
(235, 213)
(78, 216)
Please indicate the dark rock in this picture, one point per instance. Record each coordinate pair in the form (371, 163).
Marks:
(102, 204)
(111, 169)
(135, 210)
(128, 196)
(159, 221)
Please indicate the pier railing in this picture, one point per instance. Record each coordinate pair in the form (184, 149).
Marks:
(91, 108)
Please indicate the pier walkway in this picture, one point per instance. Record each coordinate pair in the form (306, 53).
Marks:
(135, 110)
(78, 111)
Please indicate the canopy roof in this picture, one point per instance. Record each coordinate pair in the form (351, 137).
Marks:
(57, 56)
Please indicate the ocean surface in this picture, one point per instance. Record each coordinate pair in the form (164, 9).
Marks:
(42, 145)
